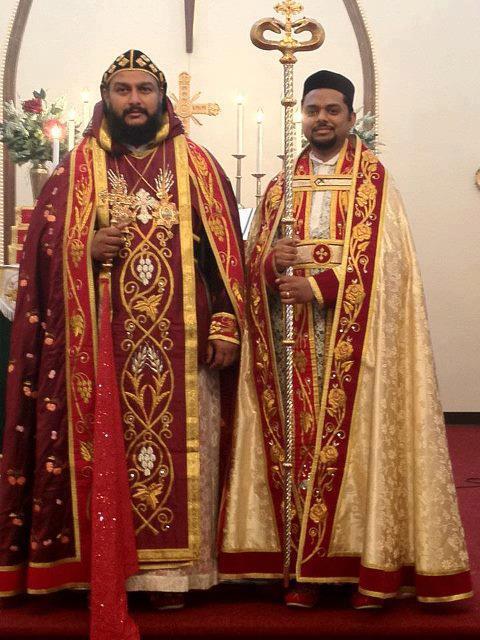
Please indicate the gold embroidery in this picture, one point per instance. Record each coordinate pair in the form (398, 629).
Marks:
(147, 380)
(77, 323)
(122, 205)
(79, 222)
(354, 298)
(205, 177)
(149, 305)
(318, 512)
(125, 206)
(84, 386)
(86, 451)
(224, 326)
(165, 213)
(329, 454)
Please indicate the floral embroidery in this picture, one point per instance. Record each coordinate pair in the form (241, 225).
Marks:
(329, 454)
(355, 293)
(343, 350)
(306, 421)
(77, 324)
(86, 451)
(318, 512)
(149, 306)
(336, 399)
(346, 352)
(362, 232)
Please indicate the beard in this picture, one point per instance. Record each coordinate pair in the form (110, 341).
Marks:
(324, 145)
(132, 134)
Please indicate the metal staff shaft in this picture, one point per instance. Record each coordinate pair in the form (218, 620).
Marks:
(288, 46)
(288, 230)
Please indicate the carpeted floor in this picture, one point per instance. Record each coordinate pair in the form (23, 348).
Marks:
(233, 611)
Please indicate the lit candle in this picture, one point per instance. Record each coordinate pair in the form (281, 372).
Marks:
(55, 132)
(260, 119)
(86, 108)
(298, 130)
(240, 100)
(71, 129)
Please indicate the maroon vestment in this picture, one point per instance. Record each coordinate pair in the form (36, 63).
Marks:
(177, 282)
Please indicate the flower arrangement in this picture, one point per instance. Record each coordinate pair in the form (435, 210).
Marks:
(26, 131)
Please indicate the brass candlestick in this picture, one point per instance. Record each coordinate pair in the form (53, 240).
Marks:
(238, 179)
(258, 195)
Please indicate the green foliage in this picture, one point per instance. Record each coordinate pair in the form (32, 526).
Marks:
(365, 129)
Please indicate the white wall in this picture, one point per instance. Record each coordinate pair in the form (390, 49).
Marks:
(427, 57)
(429, 82)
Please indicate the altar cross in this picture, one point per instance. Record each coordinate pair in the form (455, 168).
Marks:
(184, 105)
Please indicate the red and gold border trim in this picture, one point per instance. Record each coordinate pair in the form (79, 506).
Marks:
(224, 326)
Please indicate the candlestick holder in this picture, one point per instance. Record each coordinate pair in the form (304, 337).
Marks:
(258, 195)
(238, 178)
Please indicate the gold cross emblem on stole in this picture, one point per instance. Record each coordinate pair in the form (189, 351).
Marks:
(165, 212)
(184, 104)
(328, 182)
(122, 205)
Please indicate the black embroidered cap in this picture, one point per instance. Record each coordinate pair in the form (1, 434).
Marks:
(330, 80)
(133, 60)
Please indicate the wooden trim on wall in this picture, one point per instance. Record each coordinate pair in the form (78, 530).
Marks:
(189, 17)
(366, 56)
(9, 90)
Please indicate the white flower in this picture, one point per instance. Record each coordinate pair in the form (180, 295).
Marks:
(147, 458)
(145, 270)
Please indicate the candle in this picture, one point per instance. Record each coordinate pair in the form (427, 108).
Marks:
(86, 108)
(71, 129)
(55, 133)
(240, 100)
(298, 131)
(260, 119)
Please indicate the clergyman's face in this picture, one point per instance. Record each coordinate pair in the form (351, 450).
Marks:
(326, 120)
(134, 96)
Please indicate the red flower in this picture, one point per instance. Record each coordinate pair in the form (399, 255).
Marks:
(33, 106)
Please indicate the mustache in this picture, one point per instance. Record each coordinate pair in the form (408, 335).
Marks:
(322, 126)
(129, 110)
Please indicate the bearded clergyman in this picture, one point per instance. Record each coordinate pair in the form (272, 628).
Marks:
(143, 210)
